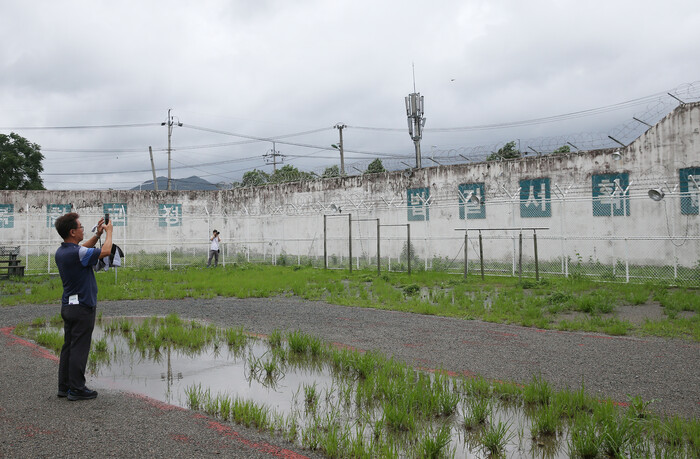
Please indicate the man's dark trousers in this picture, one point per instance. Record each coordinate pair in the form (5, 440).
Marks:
(78, 323)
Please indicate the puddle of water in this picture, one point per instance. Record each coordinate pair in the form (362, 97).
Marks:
(166, 375)
(172, 373)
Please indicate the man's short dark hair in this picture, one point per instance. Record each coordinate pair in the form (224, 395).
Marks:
(216, 232)
(65, 223)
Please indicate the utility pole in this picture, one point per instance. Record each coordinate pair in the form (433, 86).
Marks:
(153, 168)
(340, 127)
(416, 121)
(170, 124)
(273, 154)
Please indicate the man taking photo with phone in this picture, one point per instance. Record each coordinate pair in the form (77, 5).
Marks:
(79, 301)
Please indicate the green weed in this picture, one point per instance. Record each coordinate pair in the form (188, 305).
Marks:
(51, 339)
(547, 421)
(235, 337)
(38, 321)
(435, 444)
(495, 437)
(538, 392)
(584, 441)
(638, 407)
(275, 339)
(100, 346)
(617, 434)
(56, 320)
(477, 411)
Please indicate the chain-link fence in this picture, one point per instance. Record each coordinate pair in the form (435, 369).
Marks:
(632, 239)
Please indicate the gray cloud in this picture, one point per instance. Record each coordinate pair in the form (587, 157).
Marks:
(270, 68)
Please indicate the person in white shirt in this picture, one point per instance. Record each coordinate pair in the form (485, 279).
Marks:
(214, 249)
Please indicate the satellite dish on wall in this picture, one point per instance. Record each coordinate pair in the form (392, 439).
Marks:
(616, 155)
(335, 208)
(656, 194)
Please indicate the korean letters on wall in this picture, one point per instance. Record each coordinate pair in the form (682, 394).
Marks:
(611, 195)
(169, 215)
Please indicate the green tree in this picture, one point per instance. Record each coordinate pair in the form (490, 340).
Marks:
(375, 167)
(507, 151)
(333, 171)
(289, 173)
(255, 178)
(20, 163)
(562, 149)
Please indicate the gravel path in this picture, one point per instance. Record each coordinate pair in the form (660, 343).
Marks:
(34, 422)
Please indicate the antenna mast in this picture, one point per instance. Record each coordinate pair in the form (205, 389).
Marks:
(416, 121)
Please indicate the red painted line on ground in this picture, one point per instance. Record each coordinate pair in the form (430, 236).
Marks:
(155, 403)
(181, 438)
(29, 430)
(502, 333)
(32, 431)
(227, 431)
(346, 346)
(36, 349)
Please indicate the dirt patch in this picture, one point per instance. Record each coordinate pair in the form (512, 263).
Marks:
(638, 314)
(634, 314)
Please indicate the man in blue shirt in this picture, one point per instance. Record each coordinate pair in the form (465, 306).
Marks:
(79, 301)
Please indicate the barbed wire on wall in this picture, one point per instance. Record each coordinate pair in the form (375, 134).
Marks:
(626, 133)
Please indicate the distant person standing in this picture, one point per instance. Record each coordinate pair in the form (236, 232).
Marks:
(79, 301)
(214, 249)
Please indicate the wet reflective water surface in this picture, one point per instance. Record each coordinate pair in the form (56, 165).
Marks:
(167, 374)
(321, 400)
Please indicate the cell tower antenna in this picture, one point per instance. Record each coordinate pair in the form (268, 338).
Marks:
(416, 120)
(413, 64)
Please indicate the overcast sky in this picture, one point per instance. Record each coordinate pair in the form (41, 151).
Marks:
(235, 71)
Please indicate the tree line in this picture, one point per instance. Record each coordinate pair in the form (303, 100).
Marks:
(20, 166)
(290, 173)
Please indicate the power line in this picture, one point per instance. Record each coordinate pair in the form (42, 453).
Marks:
(275, 139)
(102, 126)
(180, 148)
(216, 163)
(532, 121)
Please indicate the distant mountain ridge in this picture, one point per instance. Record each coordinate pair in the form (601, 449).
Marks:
(184, 184)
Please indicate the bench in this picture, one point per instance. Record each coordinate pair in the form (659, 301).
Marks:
(9, 263)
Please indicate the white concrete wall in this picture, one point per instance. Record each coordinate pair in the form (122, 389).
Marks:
(292, 212)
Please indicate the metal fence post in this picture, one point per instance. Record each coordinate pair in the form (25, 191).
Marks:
(379, 258)
(520, 257)
(466, 253)
(481, 255)
(537, 266)
(350, 241)
(408, 237)
(627, 262)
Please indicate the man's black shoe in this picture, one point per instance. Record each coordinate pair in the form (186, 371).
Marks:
(62, 393)
(81, 394)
